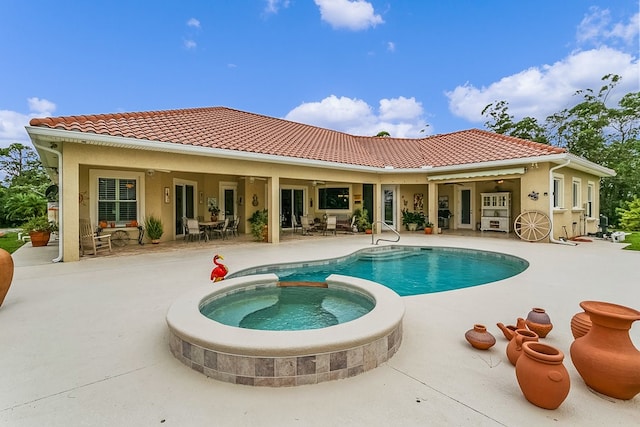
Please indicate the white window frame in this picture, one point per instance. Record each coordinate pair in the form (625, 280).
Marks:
(576, 194)
(96, 174)
(558, 191)
(590, 205)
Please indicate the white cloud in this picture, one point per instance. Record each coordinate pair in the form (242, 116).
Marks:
(193, 22)
(391, 46)
(351, 14)
(190, 44)
(541, 91)
(596, 29)
(273, 6)
(401, 117)
(12, 123)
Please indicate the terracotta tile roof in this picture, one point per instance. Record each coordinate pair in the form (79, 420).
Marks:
(225, 128)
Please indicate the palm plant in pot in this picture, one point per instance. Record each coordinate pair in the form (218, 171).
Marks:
(412, 220)
(39, 229)
(259, 222)
(153, 228)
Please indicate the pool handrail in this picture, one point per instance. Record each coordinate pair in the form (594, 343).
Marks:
(386, 240)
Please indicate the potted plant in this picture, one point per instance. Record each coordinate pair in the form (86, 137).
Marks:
(428, 228)
(39, 229)
(362, 220)
(412, 220)
(214, 209)
(153, 228)
(259, 225)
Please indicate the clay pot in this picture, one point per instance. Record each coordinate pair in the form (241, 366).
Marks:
(539, 322)
(39, 238)
(509, 330)
(605, 357)
(479, 337)
(6, 273)
(514, 348)
(580, 324)
(542, 377)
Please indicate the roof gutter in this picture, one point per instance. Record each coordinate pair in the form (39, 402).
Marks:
(60, 210)
(551, 238)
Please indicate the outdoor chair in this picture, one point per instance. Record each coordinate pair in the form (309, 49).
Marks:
(295, 223)
(90, 240)
(330, 226)
(194, 230)
(306, 225)
(232, 229)
(222, 229)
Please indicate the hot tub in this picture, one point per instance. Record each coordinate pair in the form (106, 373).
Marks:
(284, 358)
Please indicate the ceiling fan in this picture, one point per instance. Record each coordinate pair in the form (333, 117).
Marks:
(252, 179)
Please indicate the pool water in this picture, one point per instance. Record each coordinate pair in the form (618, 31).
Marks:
(287, 308)
(408, 270)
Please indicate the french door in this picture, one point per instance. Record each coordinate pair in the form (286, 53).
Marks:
(184, 203)
(465, 207)
(291, 203)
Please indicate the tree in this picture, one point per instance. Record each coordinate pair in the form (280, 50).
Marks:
(630, 216)
(23, 186)
(604, 135)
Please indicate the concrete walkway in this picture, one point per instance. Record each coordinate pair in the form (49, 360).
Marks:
(85, 343)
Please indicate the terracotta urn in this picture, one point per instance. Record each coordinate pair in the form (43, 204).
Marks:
(580, 324)
(39, 238)
(542, 377)
(514, 348)
(605, 357)
(539, 322)
(479, 337)
(6, 273)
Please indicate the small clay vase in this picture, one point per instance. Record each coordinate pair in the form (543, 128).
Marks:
(542, 377)
(509, 330)
(539, 322)
(6, 273)
(605, 357)
(514, 348)
(479, 337)
(580, 324)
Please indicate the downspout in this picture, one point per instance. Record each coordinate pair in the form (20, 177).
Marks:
(60, 210)
(551, 238)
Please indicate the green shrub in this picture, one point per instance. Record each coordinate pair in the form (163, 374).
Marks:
(153, 227)
(629, 219)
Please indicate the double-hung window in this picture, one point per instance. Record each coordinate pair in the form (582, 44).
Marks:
(558, 191)
(576, 193)
(117, 199)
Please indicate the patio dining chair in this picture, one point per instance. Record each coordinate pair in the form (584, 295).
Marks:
(232, 229)
(295, 223)
(194, 230)
(306, 225)
(330, 226)
(92, 241)
(222, 229)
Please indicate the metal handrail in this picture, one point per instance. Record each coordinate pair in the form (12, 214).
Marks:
(386, 240)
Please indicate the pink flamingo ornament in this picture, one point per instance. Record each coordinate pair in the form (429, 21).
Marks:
(221, 270)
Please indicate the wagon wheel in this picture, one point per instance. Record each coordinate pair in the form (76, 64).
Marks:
(119, 238)
(532, 226)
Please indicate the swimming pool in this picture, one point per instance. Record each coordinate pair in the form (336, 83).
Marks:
(408, 270)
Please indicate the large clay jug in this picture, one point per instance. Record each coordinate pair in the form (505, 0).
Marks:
(6, 273)
(605, 357)
(514, 348)
(542, 377)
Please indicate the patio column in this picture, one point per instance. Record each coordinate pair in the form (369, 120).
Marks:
(273, 204)
(71, 216)
(432, 204)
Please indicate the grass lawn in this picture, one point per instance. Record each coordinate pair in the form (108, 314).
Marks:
(10, 243)
(634, 239)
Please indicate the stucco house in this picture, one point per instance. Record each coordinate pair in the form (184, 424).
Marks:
(122, 167)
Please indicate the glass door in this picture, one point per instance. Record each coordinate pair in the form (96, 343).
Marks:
(389, 206)
(465, 219)
(184, 204)
(291, 203)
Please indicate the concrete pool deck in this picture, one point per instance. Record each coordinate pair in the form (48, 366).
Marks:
(86, 343)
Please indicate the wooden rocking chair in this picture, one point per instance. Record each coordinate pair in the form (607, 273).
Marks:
(90, 240)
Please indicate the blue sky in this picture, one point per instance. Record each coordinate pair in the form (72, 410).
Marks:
(412, 68)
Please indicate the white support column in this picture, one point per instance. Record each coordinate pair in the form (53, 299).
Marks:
(273, 204)
(432, 204)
